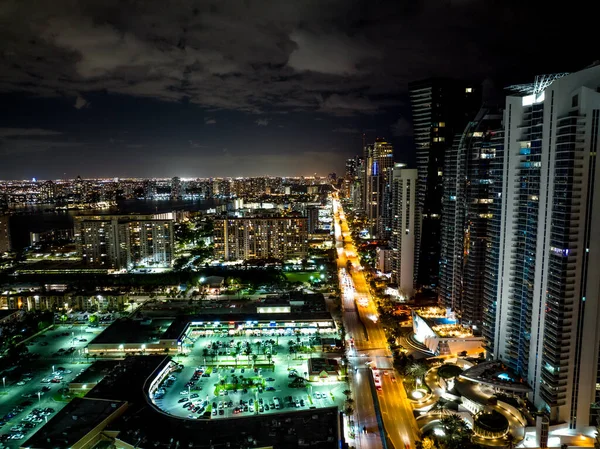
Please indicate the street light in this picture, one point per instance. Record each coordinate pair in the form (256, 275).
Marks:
(4, 383)
(39, 396)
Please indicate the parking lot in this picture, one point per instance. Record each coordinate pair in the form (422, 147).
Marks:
(31, 391)
(218, 387)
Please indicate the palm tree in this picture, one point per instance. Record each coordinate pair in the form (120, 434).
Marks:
(235, 353)
(348, 410)
(417, 370)
(248, 352)
(254, 359)
(269, 358)
(347, 392)
(510, 439)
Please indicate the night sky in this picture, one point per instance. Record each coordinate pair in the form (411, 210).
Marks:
(248, 88)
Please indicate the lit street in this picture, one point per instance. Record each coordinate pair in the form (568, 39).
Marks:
(396, 410)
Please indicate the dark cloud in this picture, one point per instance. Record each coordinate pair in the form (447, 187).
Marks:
(252, 56)
(348, 62)
(27, 132)
(347, 130)
(402, 127)
(80, 102)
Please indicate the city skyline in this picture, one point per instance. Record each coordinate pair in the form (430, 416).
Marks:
(206, 89)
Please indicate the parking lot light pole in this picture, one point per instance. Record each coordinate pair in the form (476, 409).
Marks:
(39, 396)
(4, 383)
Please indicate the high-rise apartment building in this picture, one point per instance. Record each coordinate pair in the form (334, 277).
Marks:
(466, 213)
(176, 188)
(357, 190)
(312, 215)
(379, 162)
(261, 238)
(548, 290)
(349, 177)
(404, 205)
(4, 233)
(441, 109)
(125, 241)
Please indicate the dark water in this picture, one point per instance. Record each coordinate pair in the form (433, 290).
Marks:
(43, 217)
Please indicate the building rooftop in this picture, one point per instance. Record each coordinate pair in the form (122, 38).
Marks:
(126, 330)
(143, 425)
(74, 422)
(95, 373)
(127, 379)
(317, 365)
(317, 429)
(180, 324)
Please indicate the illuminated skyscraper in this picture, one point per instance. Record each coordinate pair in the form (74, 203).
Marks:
(4, 233)
(379, 162)
(441, 109)
(404, 190)
(466, 214)
(548, 291)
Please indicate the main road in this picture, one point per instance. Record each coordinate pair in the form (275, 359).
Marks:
(370, 344)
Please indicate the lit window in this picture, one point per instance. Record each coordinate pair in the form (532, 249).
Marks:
(442, 124)
(469, 90)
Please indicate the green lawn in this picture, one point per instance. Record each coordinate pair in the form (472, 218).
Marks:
(301, 276)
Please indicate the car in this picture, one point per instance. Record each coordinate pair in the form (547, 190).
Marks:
(214, 412)
(56, 380)
(297, 403)
(184, 392)
(83, 339)
(20, 383)
(301, 402)
(194, 395)
(232, 371)
(266, 407)
(182, 400)
(45, 389)
(270, 379)
(270, 389)
(261, 409)
(317, 395)
(221, 412)
(243, 370)
(45, 380)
